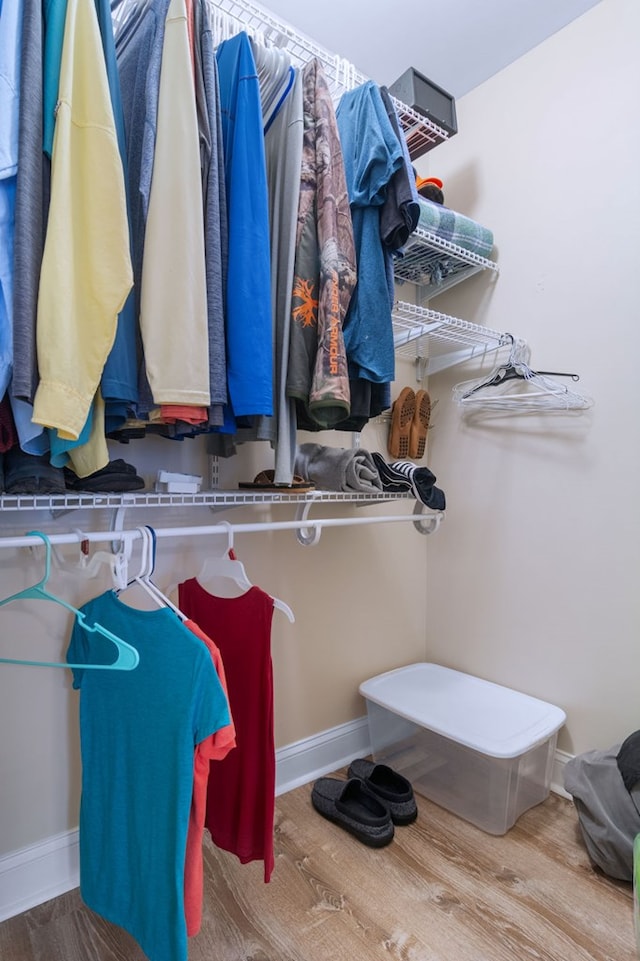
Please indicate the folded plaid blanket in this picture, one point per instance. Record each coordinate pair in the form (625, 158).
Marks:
(456, 228)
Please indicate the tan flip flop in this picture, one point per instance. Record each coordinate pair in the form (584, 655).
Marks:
(402, 412)
(419, 425)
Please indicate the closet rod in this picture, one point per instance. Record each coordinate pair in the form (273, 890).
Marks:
(28, 540)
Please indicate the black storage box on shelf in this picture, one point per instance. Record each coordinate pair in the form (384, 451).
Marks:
(426, 98)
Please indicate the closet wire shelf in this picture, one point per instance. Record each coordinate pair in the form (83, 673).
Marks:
(232, 16)
(431, 262)
(437, 341)
(216, 500)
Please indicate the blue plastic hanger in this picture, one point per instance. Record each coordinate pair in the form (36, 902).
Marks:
(128, 657)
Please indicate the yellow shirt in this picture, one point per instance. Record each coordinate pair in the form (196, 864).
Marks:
(86, 266)
(94, 455)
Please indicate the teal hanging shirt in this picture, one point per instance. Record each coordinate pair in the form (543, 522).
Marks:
(138, 731)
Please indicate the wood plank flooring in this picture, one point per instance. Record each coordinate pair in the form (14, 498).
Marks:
(442, 891)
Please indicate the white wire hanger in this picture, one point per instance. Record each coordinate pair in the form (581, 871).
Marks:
(127, 659)
(227, 566)
(515, 386)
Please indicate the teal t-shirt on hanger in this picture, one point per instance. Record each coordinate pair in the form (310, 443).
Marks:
(138, 731)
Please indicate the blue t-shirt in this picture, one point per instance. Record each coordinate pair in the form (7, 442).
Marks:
(138, 731)
(249, 334)
(372, 154)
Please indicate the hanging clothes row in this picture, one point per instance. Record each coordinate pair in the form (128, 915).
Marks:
(197, 240)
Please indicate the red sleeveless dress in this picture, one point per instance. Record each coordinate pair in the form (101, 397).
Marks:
(241, 791)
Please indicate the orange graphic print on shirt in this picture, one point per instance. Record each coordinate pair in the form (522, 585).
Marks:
(305, 312)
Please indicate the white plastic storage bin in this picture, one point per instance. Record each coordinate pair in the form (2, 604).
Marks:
(480, 750)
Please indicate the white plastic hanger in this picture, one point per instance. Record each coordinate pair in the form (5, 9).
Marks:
(149, 585)
(143, 577)
(228, 566)
(90, 565)
(515, 386)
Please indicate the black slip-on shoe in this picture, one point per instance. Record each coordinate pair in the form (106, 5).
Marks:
(392, 788)
(353, 807)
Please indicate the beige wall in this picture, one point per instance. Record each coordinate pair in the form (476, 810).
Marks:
(533, 578)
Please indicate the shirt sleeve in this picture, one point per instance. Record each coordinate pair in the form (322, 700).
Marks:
(210, 706)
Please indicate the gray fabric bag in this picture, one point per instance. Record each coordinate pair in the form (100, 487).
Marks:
(609, 814)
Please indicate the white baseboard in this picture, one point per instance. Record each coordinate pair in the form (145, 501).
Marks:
(557, 775)
(44, 870)
(37, 873)
(320, 754)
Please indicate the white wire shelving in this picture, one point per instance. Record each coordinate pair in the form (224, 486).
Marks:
(216, 500)
(231, 15)
(435, 341)
(436, 264)
(307, 529)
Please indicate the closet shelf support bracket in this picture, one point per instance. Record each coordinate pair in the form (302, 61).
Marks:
(307, 536)
(117, 524)
(428, 523)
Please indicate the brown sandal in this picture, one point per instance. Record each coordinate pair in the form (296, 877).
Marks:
(264, 481)
(419, 425)
(402, 413)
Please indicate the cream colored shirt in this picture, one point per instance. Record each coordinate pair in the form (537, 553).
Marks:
(173, 306)
(86, 266)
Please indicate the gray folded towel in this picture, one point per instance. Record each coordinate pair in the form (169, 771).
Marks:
(338, 469)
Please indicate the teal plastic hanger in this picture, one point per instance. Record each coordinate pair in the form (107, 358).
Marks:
(128, 657)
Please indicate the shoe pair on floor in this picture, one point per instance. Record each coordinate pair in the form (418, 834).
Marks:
(410, 415)
(368, 804)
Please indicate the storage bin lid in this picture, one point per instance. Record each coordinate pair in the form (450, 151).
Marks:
(484, 716)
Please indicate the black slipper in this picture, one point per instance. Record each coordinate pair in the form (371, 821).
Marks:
(353, 807)
(31, 474)
(116, 477)
(392, 788)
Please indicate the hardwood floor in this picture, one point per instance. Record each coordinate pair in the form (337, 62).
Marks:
(442, 891)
